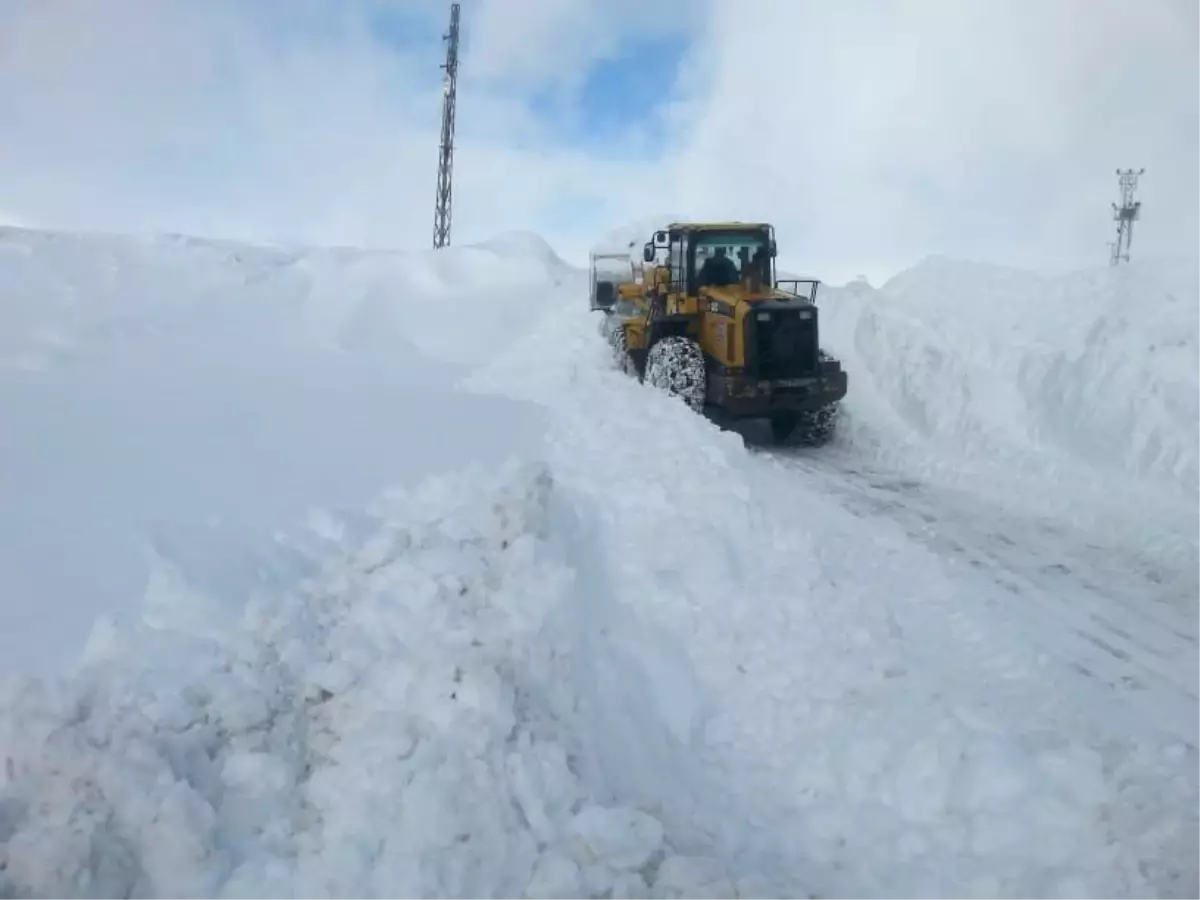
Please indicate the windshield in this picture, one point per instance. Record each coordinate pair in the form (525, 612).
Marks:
(713, 248)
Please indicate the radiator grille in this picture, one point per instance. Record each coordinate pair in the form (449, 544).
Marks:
(783, 343)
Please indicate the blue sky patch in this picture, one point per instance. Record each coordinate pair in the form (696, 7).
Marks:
(412, 31)
(615, 112)
(612, 112)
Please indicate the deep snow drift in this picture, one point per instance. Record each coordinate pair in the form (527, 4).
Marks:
(643, 658)
(406, 703)
(1080, 389)
(180, 380)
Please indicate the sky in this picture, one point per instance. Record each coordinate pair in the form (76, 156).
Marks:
(872, 133)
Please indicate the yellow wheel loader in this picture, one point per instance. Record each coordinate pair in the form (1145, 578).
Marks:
(709, 322)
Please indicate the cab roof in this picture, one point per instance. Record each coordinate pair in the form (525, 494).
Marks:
(717, 226)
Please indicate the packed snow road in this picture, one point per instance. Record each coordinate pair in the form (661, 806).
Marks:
(1051, 446)
(1123, 619)
(644, 659)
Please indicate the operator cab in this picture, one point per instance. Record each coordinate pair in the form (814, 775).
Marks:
(715, 256)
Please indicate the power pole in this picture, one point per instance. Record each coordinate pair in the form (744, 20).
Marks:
(441, 210)
(1125, 215)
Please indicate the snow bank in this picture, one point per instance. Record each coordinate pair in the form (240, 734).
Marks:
(1086, 382)
(646, 661)
(72, 296)
(882, 719)
(435, 697)
(423, 700)
(169, 378)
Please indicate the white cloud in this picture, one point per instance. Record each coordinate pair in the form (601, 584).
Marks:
(873, 133)
(139, 114)
(551, 42)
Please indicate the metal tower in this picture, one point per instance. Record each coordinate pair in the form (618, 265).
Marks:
(1125, 215)
(441, 210)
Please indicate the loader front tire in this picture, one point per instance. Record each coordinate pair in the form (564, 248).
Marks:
(817, 428)
(675, 365)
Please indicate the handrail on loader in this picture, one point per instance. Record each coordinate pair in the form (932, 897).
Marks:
(802, 288)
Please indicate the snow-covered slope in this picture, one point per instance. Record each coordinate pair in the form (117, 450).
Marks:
(425, 698)
(1078, 396)
(591, 645)
(183, 380)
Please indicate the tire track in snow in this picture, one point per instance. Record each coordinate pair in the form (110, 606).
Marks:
(957, 640)
(1127, 630)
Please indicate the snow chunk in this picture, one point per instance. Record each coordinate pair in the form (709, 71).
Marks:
(620, 838)
(995, 776)
(692, 876)
(555, 875)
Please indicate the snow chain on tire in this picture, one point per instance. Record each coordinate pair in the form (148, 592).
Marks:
(818, 426)
(620, 350)
(676, 365)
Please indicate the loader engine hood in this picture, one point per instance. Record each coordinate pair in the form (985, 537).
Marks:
(734, 294)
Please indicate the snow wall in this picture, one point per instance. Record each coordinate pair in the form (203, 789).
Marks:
(468, 684)
(1076, 394)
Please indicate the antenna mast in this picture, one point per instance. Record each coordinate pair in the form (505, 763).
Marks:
(1125, 215)
(441, 210)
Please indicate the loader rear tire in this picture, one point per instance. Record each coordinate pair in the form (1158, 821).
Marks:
(620, 350)
(676, 365)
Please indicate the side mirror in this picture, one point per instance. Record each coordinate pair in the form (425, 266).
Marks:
(774, 249)
(648, 252)
(661, 239)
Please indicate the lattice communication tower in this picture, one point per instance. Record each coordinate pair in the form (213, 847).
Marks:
(442, 207)
(1125, 215)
